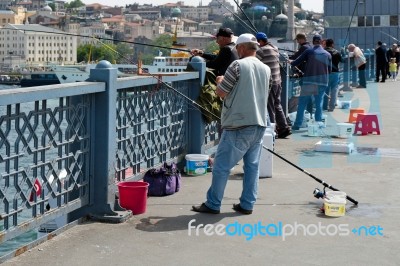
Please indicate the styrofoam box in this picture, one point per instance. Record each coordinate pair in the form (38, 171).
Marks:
(334, 146)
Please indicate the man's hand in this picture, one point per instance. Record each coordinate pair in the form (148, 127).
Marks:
(196, 52)
(219, 79)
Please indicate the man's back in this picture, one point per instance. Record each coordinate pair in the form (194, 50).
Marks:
(269, 55)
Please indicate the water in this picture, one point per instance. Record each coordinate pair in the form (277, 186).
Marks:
(25, 238)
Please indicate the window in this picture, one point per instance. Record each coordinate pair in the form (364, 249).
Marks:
(394, 20)
(377, 21)
(368, 21)
(361, 21)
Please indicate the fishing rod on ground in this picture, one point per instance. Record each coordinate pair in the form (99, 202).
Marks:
(326, 185)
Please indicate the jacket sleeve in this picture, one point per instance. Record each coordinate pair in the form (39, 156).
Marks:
(221, 61)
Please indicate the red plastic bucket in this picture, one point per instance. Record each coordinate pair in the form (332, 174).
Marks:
(133, 196)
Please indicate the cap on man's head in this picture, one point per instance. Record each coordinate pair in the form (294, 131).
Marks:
(246, 38)
(224, 32)
(261, 36)
(317, 38)
(379, 43)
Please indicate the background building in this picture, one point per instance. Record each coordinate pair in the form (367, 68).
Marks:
(373, 21)
(30, 44)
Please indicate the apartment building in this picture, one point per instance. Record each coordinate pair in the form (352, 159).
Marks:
(36, 45)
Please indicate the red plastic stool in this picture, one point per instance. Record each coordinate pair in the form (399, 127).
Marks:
(354, 113)
(367, 123)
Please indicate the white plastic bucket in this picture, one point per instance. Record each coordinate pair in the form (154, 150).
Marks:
(335, 203)
(335, 206)
(345, 130)
(346, 104)
(196, 164)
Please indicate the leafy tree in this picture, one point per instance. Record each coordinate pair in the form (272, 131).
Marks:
(126, 51)
(53, 6)
(74, 4)
(150, 52)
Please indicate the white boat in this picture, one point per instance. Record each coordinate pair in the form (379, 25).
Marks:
(161, 64)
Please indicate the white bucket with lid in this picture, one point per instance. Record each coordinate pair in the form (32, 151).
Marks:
(335, 203)
(196, 164)
(345, 130)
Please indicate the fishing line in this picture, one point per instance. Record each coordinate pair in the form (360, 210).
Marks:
(97, 37)
(237, 17)
(248, 19)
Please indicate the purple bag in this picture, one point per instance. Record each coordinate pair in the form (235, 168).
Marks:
(164, 181)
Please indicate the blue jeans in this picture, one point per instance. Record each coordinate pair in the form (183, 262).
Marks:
(243, 143)
(331, 91)
(303, 100)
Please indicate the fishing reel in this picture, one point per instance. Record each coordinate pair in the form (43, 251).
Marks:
(318, 193)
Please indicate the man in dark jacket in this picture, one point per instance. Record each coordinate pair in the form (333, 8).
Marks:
(333, 85)
(227, 53)
(381, 62)
(299, 69)
(315, 79)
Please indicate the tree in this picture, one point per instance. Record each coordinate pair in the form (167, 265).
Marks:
(125, 50)
(150, 52)
(74, 4)
(53, 6)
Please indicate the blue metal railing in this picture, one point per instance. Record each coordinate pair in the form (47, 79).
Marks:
(76, 141)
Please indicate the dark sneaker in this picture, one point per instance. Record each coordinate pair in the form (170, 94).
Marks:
(284, 133)
(239, 208)
(203, 208)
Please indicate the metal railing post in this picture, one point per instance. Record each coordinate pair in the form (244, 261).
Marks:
(104, 147)
(196, 124)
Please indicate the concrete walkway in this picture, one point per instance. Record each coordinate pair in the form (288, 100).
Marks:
(367, 235)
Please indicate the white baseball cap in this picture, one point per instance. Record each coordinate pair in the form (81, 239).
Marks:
(246, 37)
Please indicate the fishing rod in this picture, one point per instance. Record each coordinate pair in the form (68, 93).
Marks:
(390, 36)
(348, 28)
(326, 185)
(248, 19)
(255, 31)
